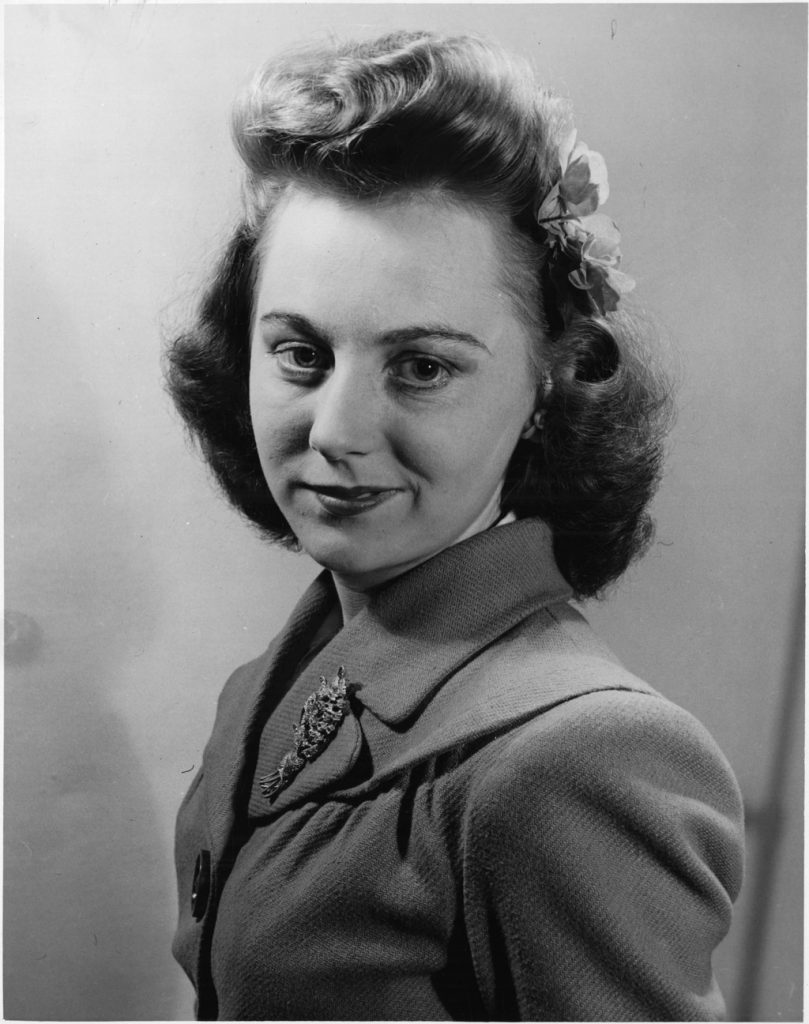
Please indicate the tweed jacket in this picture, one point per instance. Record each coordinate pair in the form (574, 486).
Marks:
(506, 824)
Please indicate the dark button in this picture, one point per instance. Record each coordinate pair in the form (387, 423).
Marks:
(201, 886)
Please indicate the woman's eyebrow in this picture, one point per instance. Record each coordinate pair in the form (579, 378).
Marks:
(398, 336)
(402, 335)
(299, 324)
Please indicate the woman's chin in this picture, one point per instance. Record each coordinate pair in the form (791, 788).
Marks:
(343, 555)
(360, 566)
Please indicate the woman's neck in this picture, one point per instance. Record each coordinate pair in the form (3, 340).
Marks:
(355, 592)
(351, 601)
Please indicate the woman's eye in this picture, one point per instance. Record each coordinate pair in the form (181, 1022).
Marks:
(300, 358)
(422, 371)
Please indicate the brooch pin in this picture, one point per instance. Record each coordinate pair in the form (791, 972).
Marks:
(322, 713)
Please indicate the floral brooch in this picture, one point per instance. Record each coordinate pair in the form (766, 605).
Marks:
(322, 713)
(584, 244)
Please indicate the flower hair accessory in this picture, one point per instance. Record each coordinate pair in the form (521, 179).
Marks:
(584, 244)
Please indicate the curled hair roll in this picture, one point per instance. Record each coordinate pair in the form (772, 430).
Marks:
(597, 462)
(409, 110)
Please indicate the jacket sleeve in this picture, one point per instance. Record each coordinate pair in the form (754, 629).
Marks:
(602, 851)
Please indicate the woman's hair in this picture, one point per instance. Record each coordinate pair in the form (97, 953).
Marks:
(457, 116)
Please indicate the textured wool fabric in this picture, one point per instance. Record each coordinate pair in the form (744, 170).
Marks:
(506, 825)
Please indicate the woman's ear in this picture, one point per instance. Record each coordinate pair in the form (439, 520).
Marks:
(534, 425)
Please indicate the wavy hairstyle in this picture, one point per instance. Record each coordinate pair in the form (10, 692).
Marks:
(460, 117)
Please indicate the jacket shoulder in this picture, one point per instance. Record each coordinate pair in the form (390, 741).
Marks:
(615, 820)
(612, 745)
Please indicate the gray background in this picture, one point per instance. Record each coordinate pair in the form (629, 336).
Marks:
(142, 591)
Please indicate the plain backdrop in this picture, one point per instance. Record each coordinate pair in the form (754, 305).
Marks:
(133, 589)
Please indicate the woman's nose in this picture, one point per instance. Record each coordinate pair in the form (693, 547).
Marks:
(346, 418)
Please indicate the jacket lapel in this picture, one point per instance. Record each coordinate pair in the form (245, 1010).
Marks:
(248, 697)
(486, 699)
(399, 651)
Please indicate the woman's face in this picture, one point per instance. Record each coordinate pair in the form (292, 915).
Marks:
(389, 379)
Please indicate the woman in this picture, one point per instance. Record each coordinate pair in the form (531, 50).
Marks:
(438, 795)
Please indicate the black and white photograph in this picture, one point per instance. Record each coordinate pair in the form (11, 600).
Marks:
(404, 511)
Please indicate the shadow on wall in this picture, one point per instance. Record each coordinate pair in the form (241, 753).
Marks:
(82, 874)
(88, 896)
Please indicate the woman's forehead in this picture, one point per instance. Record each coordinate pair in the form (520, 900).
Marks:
(409, 250)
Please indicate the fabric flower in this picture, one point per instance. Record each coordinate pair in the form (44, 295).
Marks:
(579, 236)
(583, 186)
(600, 258)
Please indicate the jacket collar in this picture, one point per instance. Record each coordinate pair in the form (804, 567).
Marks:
(397, 652)
(421, 627)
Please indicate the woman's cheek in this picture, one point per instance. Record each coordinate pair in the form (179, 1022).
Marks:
(279, 430)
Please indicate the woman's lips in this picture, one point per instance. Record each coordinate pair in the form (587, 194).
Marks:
(344, 502)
